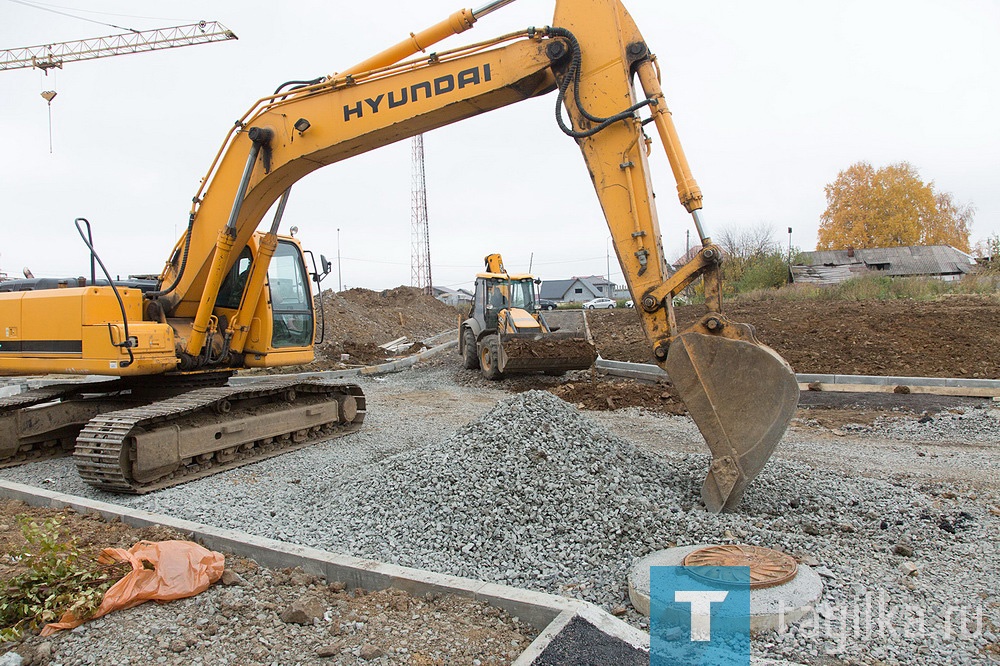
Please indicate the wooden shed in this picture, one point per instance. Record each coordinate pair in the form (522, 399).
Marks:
(832, 266)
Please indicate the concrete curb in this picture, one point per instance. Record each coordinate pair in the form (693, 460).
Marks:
(547, 613)
(648, 371)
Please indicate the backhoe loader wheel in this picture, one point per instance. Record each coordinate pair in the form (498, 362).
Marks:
(470, 356)
(489, 356)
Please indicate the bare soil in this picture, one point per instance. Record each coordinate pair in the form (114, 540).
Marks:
(357, 321)
(955, 336)
(569, 348)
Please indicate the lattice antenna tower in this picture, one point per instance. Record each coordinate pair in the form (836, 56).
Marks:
(420, 240)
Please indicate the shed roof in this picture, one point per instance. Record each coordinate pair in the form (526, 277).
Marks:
(908, 260)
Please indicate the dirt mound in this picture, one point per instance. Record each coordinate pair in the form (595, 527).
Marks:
(956, 336)
(609, 393)
(357, 321)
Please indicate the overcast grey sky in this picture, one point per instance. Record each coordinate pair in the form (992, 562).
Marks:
(771, 99)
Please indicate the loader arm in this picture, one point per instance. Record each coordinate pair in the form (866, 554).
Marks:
(739, 392)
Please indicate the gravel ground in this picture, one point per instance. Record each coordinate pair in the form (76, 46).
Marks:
(528, 491)
(262, 616)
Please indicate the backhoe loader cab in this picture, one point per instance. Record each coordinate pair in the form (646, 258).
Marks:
(505, 293)
(506, 333)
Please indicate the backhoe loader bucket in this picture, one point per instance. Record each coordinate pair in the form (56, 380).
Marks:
(549, 352)
(741, 394)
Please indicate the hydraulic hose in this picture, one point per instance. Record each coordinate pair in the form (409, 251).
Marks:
(127, 343)
(573, 76)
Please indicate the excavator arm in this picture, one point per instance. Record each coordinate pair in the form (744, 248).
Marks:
(739, 392)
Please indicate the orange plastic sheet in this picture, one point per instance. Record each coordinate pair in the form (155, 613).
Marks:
(180, 569)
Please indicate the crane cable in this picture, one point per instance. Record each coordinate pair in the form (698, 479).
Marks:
(49, 8)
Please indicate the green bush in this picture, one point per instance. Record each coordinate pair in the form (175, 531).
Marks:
(57, 581)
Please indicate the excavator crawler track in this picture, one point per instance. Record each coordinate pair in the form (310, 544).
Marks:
(29, 433)
(207, 431)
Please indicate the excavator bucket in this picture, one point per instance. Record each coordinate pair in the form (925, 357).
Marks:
(742, 395)
(549, 352)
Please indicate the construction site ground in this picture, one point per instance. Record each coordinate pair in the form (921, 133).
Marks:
(950, 337)
(954, 336)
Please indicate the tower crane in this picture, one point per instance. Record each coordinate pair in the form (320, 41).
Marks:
(49, 56)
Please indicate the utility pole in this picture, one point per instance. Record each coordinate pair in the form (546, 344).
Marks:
(340, 284)
(607, 255)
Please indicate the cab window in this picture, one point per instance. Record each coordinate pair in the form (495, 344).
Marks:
(291, 302)
(231, 291)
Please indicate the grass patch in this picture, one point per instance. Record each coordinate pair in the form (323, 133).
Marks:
(880, 288)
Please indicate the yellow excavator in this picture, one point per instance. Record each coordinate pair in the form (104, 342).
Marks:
(231, 297)
(505, 333)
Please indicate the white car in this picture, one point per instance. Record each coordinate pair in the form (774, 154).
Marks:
(599, 303)
(629, 303)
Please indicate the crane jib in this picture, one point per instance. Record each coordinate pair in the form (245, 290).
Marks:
(441, 85)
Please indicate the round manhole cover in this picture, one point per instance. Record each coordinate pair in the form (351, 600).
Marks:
(767, 567)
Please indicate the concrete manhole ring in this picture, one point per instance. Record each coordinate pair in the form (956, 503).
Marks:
(768, 567)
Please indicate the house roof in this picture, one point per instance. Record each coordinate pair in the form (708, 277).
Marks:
(554, 289)
(593, 279)
(448, 291)
(557, 289)
(591, 284)
(691, 253)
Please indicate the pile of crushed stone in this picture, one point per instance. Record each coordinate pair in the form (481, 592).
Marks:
(536, 494)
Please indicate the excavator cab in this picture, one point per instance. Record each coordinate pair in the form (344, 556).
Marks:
(283, 322)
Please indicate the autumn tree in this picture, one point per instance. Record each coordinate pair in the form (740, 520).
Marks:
(890, 207)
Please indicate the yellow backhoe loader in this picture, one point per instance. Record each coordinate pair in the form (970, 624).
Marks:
(505, 333)
(230, 297)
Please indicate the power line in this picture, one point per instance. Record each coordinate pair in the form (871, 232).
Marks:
(81, 18)
(44, 7)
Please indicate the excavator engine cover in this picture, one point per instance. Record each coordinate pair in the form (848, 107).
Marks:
(742, 395)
